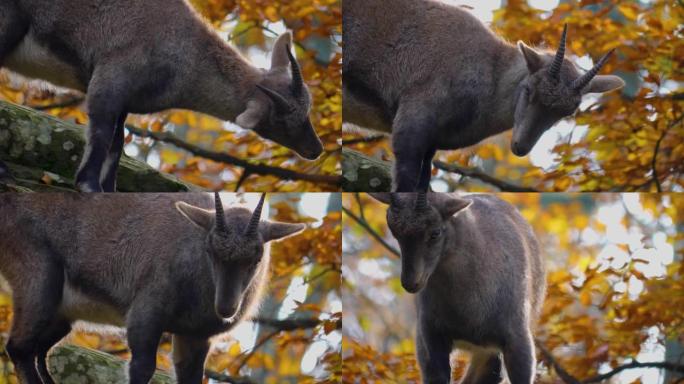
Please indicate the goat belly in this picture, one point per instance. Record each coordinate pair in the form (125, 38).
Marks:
(77, 305)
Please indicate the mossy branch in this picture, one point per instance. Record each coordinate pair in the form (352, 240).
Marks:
(43, 152)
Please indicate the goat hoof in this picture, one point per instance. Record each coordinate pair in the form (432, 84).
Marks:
(88, 187)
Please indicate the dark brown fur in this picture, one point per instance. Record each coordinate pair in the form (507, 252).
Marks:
(435, 77)
(475, 266)
(152, 263)
(129, 58)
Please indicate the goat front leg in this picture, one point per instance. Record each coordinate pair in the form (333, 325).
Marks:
(4, 171)
(49, 337)
(111, 165)
(519, 358)
(106, 97)
(144, 331)
(411, 143)
(189, 355)
(433, 352)
(426, 171)
(36, 303)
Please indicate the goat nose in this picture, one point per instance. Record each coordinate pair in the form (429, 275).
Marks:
(515, 148)
(226, 311)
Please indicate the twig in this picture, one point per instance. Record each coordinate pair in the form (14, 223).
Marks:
(569, 379)
(261, 169)
(289, 324)
(633, 365)
(654, 159)
(372, 232)
(481, 175)
(258, 345)
(562, 373)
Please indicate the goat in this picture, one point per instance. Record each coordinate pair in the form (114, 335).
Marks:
(435, 77)
(129, 58)
(475, 267)
(151, 263)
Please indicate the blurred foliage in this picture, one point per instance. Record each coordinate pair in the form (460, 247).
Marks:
(316, 25)
(624, 132)
(613, 290)
(312, 258)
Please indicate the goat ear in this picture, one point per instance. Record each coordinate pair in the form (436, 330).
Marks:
(198, 216)
(274, 230)
(251, 116)
(383, 197)
(279, 56)
(453, 205)
(532, 58)
(604, 83)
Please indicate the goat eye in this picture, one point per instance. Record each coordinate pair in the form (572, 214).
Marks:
(434, 235)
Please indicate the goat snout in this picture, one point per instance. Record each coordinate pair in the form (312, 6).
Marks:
(411, 285)
(519, 149)
(227, 311)
(312, 153)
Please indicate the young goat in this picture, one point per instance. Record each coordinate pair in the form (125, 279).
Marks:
(155, 263)
(435, 77)
(474, 263)
(147, 56)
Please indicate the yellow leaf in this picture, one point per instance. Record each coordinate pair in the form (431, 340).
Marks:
(628, 11)
(234, 350)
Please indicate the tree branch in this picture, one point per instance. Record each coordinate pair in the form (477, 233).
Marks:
(251, 168)
(476, 173)
(366, 174)
(654, 159)
(289, 324)
(569, 379)
(42, 153)
(562, 373)
(371, 231)
(633, 365)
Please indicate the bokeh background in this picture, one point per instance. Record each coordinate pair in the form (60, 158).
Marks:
(615, 291)
(297, 336)
(252, 28)
(629, 140)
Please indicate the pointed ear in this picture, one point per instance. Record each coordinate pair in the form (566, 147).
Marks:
(453, 205)
(604, 83)
(532, 58)
(383, 197)
(275, 230)
(279, 56)
(198, 216)
(251, 116)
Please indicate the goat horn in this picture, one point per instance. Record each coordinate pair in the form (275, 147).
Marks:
(297, 80)
(256, 217)
(279, 101)
(583, 80)
(560, 54)
(220, 218)
(421, 201)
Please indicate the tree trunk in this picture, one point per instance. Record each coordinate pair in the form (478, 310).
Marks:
(43, 153)
(70, 364)
(361, 173)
